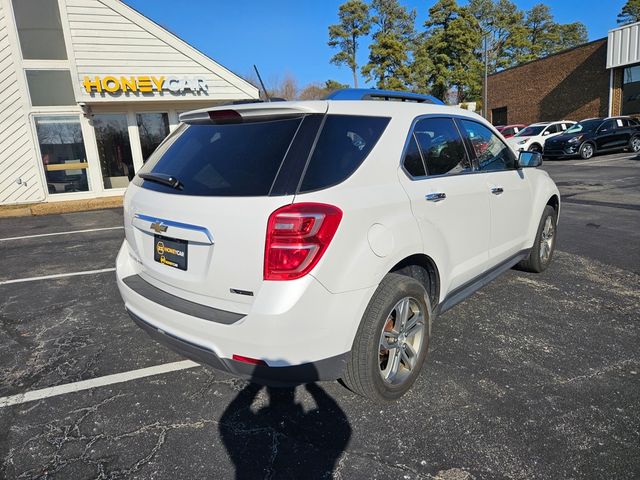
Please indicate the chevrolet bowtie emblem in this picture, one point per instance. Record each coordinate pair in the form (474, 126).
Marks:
(158, 227)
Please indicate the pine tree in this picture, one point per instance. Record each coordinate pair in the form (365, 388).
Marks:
(544, 36)
(630, 12)
(445, 58)
(354, 23)
(392, 43)
(502, 24)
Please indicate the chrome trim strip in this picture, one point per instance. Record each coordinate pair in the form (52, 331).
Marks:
(171, 223)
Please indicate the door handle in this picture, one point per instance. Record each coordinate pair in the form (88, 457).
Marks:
(497, 190)
(435, 197)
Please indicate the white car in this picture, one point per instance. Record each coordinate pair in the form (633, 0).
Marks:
(291, 242)
(532, 138)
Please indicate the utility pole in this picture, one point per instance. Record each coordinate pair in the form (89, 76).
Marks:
(485, 105)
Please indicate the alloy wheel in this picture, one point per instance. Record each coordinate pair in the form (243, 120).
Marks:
(635, 145)
(546, 240)
(587, 151)
(401, 341)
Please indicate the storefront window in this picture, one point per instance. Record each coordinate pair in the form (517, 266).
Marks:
(63, 154)
(631, 91)
(50, 88)
(39, 29)
(153, 127)
(114, 149)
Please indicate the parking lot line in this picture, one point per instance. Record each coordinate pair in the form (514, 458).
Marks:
(604, 160)
(95, 382)
(70, 232)
(57, 275)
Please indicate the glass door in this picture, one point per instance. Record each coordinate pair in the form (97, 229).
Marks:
(114, 149)
(153, 128)
(63, 153)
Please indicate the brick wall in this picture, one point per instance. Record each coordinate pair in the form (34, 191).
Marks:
(570, 85)
(616, 101)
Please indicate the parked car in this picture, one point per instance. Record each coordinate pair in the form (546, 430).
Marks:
(595, 135)
(324, 247)
(509, 131)
(533, 137)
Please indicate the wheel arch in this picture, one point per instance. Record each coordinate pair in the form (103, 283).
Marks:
(424, 269)
(554, 201)
(591, 142)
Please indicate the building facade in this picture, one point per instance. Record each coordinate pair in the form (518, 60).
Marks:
(570, 85)
(623, 62)
(88, 89)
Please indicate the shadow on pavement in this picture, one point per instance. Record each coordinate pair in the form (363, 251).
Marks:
(278, 438)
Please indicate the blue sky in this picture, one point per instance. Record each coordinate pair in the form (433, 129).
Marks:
(283, 36)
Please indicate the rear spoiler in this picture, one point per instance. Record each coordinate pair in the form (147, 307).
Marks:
(244, 115)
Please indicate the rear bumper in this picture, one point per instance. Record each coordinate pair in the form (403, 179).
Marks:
(298, 328)
(327, 369)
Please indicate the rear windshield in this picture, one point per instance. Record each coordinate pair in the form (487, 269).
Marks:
(223, 160)
(245, 159)
(344, 143)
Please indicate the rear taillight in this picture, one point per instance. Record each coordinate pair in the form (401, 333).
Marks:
(297, 237)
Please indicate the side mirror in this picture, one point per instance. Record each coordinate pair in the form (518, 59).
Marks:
(529, 159)
(547, 132)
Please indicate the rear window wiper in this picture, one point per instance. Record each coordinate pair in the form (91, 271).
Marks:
(162, 178)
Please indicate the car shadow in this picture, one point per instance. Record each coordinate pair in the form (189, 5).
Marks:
(267, 434)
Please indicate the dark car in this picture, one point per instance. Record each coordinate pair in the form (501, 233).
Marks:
(508, 131)
(593, 136)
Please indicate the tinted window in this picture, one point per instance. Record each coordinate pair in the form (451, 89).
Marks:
(39, 29)
(531, 131)
(608, 125)
(586, 126)
(343, 144)
(552, 129)
(491, 153)
(412, 159)
(441, 146)
(50, 88)
(223, 160)
(153, 128)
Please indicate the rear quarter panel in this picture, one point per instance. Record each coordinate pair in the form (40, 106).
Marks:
(376, 215)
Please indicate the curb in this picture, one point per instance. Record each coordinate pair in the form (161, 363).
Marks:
(68, 206)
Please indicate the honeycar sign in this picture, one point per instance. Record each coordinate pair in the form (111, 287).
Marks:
(144, 84)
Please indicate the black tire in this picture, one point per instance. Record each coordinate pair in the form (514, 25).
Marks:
(364, 374)
(634, 144)
(535, 148)
(587, 150)
(537, 262)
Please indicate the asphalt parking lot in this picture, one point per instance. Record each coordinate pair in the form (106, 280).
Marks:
(535, 376)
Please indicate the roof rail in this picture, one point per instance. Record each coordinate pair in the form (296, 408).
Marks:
(375, 94)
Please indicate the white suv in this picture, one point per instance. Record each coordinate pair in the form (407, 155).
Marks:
(533, 137)
(298, 241)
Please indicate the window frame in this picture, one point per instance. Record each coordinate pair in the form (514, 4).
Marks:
(470, 148)
(454, 119)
